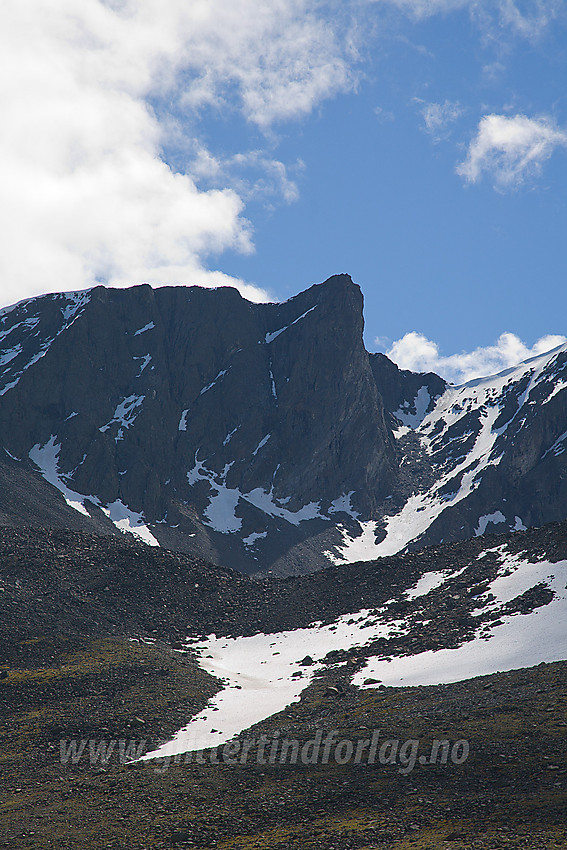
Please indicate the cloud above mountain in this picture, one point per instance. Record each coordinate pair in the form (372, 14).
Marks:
(416, 352)
(510, 149)
(88, 194)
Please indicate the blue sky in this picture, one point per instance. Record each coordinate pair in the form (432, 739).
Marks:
(419, 145)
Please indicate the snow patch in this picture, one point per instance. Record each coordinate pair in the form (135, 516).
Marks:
(361, 548)
(183, 421)
(251, 539)
(146, 359)
(343, 505)
(428, 582)
(125, 414)
(496, 517)
(129, 521)
(521, 640)
(211, 385)
(257, 673)
(147, 327)
(557, 448)
(223, 501)
(270, 337)
(261, 444)
(420, 403)
(229, 436)
(46, 458)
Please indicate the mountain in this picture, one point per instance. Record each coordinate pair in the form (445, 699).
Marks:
(262, 436)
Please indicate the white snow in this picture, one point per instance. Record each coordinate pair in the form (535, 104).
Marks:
(211, 385)
(420, 403)
(343, 505)
(257, 673)
(230, 435)
(130, 521)
(361, 548)
(261, 444)
(496, 517)
(47, 459)
(427, 583)
(522, 640)
(270, 337)
(273, 384)
(223, 501)
(221, 510)
(147, 327)
(557, 448)
(146, 359)
(183, 421)
(460, 473)
(77, 301)
(10, 354)
(251, 539)
(125, 414)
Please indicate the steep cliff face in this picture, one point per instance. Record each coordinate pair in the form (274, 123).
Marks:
(236, 429)
(263, 436)
(488, 456)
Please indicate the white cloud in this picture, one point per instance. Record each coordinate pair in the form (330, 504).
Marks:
(510, 149)
(438, 117)
(87, 194)
(496, 19)
(419, 354)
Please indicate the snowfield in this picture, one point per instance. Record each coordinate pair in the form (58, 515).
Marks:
(263, 674)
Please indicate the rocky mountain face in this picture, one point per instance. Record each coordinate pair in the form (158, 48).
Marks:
(214, 422)
(262, 436)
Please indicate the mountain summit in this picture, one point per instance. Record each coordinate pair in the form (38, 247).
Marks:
(262, 436)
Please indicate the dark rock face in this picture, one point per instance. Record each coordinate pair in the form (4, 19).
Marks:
(263, 436)
(400, 388)
(200, 412)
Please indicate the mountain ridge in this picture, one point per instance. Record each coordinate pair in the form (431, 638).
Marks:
(263, 436)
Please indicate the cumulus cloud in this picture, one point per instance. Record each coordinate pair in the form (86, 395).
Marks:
(416, 352)
(87, 192)
(509, 149)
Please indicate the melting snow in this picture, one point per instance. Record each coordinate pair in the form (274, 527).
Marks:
(520, 640)
(10, 354)
(261, 444)
(343, 505)
(420, 403)
(223, 501)
(229, 436)
(146, 359)
(147, 327)
(183, 421)
(496, 517)
(125, 414)
(270, 337)
(211, 385)
(258, 672)
(47, 459)
(251, 539)
(76, 302)
(427, 583)
(557, 448)
(130, 521)
(258, 676)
